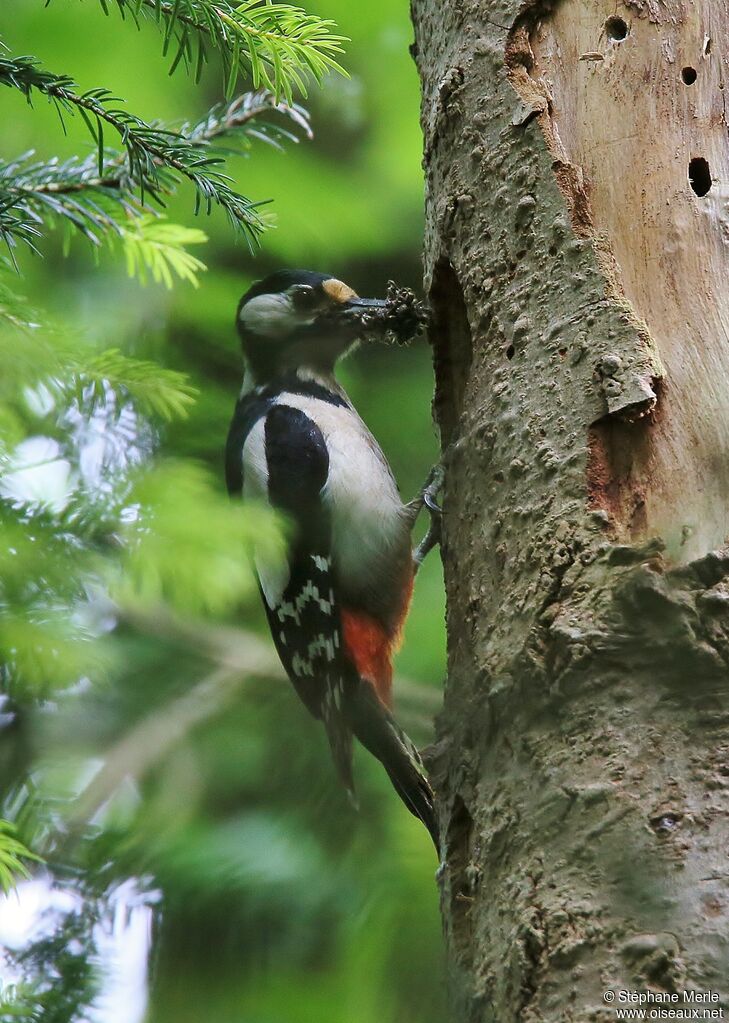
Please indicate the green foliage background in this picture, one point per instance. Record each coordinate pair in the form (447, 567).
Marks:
(279, 903)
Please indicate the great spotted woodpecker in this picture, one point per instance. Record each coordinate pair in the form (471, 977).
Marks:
(336, 608)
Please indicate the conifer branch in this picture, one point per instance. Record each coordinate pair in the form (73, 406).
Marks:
(74, 191)
(280, 45)
(71, 191)
(156, 157)
(248, 117)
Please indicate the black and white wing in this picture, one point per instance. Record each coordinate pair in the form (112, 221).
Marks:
(284, 459)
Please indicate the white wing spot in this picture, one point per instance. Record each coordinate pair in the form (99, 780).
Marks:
(293, 609)
(301, 667)
(311, 592)
(287, 610)
(321, 644)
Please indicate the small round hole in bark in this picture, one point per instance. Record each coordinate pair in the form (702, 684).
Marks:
(688, 75)
(665, 823)
(616, 29)
(699, 175)
(510, 352)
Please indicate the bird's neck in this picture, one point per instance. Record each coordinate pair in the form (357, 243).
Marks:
(301, 377)
(312, 353)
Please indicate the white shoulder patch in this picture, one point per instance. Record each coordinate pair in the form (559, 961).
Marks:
(255, 467)
(271, 566)
(273, 575)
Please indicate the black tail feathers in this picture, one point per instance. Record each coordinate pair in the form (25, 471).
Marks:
(378, 732)
(339, 734)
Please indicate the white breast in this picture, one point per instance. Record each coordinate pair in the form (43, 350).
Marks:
(368, 520)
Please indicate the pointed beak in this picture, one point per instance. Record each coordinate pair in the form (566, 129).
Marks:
(357, 311)
(363, 304)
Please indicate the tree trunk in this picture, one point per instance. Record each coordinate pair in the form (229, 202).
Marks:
(577, 262)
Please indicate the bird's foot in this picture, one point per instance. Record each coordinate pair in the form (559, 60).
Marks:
(428, 498)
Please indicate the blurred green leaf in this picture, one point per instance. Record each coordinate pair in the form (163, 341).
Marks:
(155, 391)
(190, 546)
(12, 856)
(159, 248)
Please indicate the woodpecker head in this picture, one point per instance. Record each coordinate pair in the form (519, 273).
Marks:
(296, 318)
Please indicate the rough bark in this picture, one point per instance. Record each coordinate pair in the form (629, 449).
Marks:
(581, 344)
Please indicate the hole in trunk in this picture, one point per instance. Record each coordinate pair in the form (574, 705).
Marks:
(688, 75)
(452, 347)
(510, 352)
(616, 29)
(664, 823)
(699, 175)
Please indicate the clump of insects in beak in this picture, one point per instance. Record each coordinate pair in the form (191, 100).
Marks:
(397, 319)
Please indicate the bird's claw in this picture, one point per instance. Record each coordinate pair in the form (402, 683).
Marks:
(429, 498)
(432, 487)
(429, 491)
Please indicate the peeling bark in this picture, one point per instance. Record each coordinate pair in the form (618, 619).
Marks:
(581, 345)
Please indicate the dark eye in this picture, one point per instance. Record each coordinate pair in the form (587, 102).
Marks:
(303, 296)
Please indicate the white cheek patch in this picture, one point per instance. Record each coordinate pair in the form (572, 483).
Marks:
(268, 315)
(271, 316)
